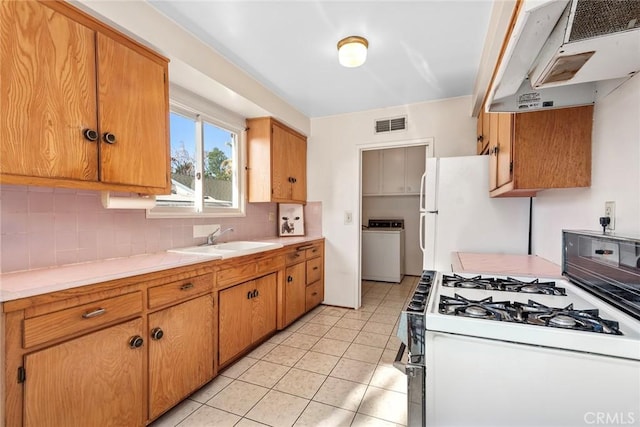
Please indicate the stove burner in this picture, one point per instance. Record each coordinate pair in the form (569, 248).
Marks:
(562, 321)
(509, 284)
(532, 313)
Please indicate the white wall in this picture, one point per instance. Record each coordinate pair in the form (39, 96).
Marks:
(615, 175)
(334, 174)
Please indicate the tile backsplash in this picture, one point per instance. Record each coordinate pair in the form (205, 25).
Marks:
(46, 227)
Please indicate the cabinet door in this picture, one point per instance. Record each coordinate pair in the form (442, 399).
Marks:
(505, 140)
(94, 380)
(371, 172)
(234, 326)
(493, 158)
(298, 167)
(181, 360)
(479, 136)
(294, 291)
(281, 163)
(47, 94)
(263, 307)
(133, 106)
(393, 164)
(415, 158)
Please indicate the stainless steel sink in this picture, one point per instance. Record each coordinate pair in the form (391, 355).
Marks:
(228, 249)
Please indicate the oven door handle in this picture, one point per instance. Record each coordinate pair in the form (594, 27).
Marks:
(402, 367)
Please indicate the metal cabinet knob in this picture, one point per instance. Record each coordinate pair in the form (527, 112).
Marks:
(90, 135)
(109, 138)
(136, 341)
(289, 279)
(157, 334)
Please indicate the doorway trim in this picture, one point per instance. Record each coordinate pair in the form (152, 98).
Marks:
(428, 142)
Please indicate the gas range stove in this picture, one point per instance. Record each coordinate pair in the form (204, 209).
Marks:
(550, 312)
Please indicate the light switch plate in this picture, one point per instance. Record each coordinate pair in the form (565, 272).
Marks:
(205, 229)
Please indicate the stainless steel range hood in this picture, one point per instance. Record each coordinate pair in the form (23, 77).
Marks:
(565, 53)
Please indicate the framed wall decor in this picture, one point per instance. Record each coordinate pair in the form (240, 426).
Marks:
(290, 219)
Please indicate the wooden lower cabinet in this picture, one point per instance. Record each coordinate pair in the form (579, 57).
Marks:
(94, 380)
(180, 354)
(294, 292)
(247, 313)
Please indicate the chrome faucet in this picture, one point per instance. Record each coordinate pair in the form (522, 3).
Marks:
(211, 238)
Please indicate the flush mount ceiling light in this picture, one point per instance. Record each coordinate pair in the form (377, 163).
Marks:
(352, 51)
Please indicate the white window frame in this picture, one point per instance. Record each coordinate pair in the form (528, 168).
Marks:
(200, 210)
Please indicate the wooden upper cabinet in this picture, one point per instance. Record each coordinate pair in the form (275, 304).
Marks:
(276, 162)
(483, 132)
(540, 150)
(67, 80)
(47, 94)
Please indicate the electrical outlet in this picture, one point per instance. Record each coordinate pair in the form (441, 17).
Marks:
(348, 217)
(272, 216)
(610, 211)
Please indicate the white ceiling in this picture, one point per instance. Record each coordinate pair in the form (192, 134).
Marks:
(418, 50)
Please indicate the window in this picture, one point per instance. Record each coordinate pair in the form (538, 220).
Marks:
(205, 162)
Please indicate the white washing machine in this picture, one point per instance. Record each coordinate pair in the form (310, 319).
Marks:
(383, 250)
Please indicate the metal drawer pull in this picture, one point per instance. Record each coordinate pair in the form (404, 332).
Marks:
(314, 294)
(315, 268)
(303, 248)
(186, 286)
(95, 313)
(402, 367)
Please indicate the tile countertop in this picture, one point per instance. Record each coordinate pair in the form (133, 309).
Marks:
(23, 284)
(506, 264)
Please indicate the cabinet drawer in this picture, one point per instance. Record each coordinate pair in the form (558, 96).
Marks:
(236, 274)
(38, 330)
(314, 251)
(294, 257)
(179, 290)
(315, 295)
(270, 264)
(314, 270)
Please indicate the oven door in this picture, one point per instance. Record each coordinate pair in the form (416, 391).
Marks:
(415, 388)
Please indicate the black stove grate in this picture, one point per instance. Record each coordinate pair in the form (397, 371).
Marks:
(509, 284)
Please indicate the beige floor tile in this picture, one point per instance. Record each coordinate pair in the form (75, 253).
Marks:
(369, 307)
(300, 383)
(262, 350)
(398, 304)
(372, 339)
(385, 404)
(330, 346)
(388, 319)
(209, 390)
(387, 310)
(389, 378)
(278, 409)
(350, 324)
(238, 397)
(264, 373)
(317, 362)
(335, 311)
(353, 370)
(357, 314)
(362, 420)
(207, 416)
(307, 317)
(246, 422)
(235, 370)
(372, 300)
(393, 343)
(319, 309)
(341, 393)
(323, 319)
(379, 328)
(284, 355)
(305, 342)
(363, 353)
(341, 334)
(388, 356)
(280, 336)
(315, 329)
(394, 298)
(295, 326)
(320, 415)
(177, 414)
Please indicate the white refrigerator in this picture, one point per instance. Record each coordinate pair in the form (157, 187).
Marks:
(457, 214)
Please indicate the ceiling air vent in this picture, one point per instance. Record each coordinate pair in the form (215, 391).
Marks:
(391, 125)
